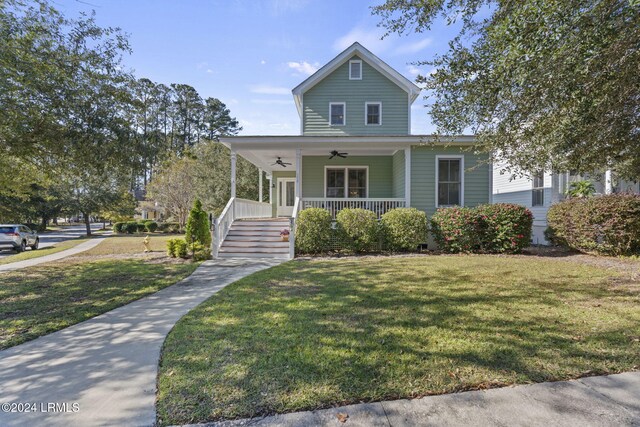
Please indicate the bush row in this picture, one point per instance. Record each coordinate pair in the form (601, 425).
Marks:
(500, 228)
(146, 225)
(604, 224)
(358, 230)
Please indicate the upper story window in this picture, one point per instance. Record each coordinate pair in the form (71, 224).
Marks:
(537, 196)
(337, 113)
(449, 182)
(355, 69)
(373, 113)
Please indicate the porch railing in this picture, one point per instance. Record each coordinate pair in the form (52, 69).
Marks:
(236, 209)
(334, 205)
(292, 228)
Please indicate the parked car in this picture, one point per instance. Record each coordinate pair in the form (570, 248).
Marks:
(18, 237)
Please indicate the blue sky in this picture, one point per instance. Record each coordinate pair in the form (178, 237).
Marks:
(251, 53)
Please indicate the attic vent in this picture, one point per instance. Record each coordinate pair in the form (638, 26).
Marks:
(355, 70)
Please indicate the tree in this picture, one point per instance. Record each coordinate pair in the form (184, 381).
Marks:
(172, 187)
(121, 209)
(197, 229)
(546, 85)
(217, 120)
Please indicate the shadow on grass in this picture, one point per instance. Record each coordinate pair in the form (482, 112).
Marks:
(314, 334)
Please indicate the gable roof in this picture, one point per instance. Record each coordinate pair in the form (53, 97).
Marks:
(364, 54)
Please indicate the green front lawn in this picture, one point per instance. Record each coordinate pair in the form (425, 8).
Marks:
(39, 300)
(312, 334)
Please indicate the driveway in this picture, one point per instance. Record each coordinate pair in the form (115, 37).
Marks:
(51, 238)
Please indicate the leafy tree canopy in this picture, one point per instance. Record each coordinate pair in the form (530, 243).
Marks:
(544, 84)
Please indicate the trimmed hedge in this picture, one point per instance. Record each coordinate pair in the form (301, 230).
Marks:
(180, 248)
(169, 227)
(404, 229)
(130, 227)
(313, 231)
(171, 247)
(607, 224)
(118, 227)
(151, 226)
(358, 229)
(498, 228)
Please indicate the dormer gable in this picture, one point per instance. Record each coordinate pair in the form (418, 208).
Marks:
(356, 93)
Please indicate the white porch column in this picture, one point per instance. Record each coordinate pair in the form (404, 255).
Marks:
(234, 158)
(298, 172)
(407, 176)
(270, 178)
(260, 185)
(608, 182)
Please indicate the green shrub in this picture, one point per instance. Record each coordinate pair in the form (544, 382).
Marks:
(171, 247)
(151, 226)
(197, 229)
(130, 227)
(200, 252)
(456, 229)
(358, 229)
(504, 227)
(313, 231)
(141, 227)
(119, 227)
(404, 229)
(180, 248)
(169, 227)
(604, 224)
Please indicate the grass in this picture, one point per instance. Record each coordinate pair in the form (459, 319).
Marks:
(40, 300)
(312, 334)
(30, 254)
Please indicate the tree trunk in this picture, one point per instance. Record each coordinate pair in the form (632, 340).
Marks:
(87, 222)
(45, 220)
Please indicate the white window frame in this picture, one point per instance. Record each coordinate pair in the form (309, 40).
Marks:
(344, 115)
(450, 157)
(359, 61)
(346, 180)
(534, 189)
(366, 111)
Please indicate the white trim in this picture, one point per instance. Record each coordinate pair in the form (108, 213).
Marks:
(450, 157)
(298, 173)
(355, 49)
(354, 61)
(407, 176)
(344, 113)
(234, 158)
(366, 113)
(346, 180)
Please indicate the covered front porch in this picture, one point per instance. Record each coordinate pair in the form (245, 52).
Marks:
(331, 173)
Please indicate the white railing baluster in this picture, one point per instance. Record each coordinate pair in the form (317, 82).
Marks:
(334, 205)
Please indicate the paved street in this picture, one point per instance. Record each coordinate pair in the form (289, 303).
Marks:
(51, 238)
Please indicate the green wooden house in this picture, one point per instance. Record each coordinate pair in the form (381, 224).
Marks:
(355, 149)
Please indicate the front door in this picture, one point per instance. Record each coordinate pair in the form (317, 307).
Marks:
(286, 196)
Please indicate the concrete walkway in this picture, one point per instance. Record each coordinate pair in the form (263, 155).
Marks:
(108, 365)
(85, 246)
(612, 400)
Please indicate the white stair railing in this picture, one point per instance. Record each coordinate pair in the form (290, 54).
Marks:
(236, 209)
(292, 229)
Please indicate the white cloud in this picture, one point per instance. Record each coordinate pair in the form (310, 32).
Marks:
(281, 7)
(303, 67)
(413, 70)
(270, 90)
(369, 38)
(209, 71)
(263, 62)
(414, 47)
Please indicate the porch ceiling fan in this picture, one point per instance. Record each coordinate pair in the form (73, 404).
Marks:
(281, 163)
(335, 153)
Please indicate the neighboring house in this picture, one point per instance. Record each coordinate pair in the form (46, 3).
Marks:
(539, 192)
(355, 150)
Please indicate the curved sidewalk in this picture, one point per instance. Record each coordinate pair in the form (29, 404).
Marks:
(108, 365)
(84, 246)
